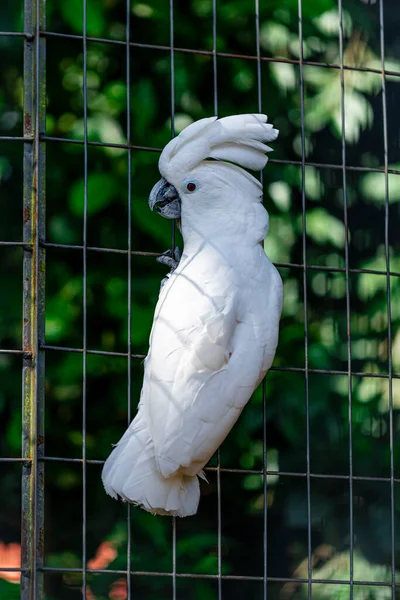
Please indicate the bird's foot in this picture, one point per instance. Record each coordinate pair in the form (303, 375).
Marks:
(171, 259)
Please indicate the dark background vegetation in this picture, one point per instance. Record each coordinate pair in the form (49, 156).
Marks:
(107, 291)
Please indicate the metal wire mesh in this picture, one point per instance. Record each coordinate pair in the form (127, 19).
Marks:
(34, 347)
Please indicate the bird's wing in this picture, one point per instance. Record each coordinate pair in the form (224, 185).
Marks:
(200, 374)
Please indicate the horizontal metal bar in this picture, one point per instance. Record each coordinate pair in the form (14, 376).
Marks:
(22, 34)
(97, 249)
(326, 476)
(95, 352)
(298, 474)
(277, 264)
(317, 165)
(215, 576)
(335, 269)
(211, 53)
(280, 369)
(334, 372)
(13, 459)
(15, 244)
(16, 352)
(48, 138)
(16, 138)
(24, 245)
(89, 461)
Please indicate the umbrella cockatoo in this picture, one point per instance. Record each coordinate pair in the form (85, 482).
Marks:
(216, 322)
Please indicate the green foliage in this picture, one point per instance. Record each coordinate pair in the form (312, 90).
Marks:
(72, 14)
(100, 191)
(10, 591)
(328, 291)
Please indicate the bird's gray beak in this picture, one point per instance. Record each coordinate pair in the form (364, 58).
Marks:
(165, 199)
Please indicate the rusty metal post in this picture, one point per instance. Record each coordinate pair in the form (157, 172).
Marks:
(33, 304)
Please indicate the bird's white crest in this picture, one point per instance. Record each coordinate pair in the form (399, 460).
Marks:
(237, 139)
(215, 327)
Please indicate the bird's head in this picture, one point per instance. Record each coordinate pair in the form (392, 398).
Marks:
(203, 166)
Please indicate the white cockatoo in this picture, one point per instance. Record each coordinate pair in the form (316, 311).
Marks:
(216, 322)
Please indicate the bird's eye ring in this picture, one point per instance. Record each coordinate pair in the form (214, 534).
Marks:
(191, 187)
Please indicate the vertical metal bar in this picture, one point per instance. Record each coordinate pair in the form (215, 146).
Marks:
(172, 64)
(258, 53)
(174, 558)
(172, 85)
(219, 526)
(304, 244)
(32, 516)
(264, 393)
(215, 79)
(389, 303)
(129, 324)
(219, 510)
(346, 250)
(84, 333)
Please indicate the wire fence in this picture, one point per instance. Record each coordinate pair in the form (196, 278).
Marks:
(34, 348)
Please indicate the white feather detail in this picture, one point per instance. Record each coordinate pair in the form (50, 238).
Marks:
(242, 127)
(235, 176)
(193, 131)
(241, 154)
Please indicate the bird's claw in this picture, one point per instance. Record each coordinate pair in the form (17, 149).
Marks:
(171, 259)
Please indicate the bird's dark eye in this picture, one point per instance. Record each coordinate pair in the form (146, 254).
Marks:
(191, 187)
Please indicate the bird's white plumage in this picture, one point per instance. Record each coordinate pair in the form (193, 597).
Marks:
(215, 328)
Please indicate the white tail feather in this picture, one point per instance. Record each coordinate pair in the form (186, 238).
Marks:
(131, 473)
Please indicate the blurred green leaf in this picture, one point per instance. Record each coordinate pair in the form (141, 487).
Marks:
(100, 192)
(72, 12)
